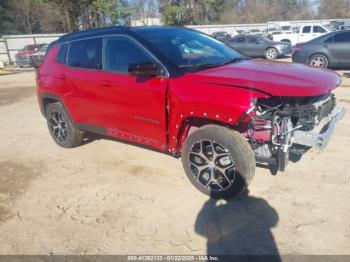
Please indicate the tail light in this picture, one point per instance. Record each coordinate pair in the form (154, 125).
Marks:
(296, 48)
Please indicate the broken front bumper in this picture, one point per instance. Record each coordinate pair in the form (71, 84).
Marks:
(321, 134)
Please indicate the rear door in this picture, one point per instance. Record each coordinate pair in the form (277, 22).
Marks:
(339, 47)
(305, 34)
(82, 76)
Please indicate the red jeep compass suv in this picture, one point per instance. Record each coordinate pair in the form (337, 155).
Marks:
(184, 93)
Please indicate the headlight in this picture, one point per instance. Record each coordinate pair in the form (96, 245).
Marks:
(253, 101)
(339, 80)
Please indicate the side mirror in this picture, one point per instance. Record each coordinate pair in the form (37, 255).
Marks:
(148, 69)
(257, 42)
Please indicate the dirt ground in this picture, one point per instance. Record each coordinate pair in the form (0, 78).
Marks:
(106, 197)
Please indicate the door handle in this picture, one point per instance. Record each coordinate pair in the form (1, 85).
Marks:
(106, 83)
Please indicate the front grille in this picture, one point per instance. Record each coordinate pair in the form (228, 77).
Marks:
(22, 58)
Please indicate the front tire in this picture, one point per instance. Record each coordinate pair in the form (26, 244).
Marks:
(61, 128)
(218, 161)
(271, 53)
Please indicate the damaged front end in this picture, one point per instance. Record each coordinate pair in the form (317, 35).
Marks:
(284, 128)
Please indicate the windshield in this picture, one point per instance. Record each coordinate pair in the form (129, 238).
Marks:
(187, 48)
(43, 48)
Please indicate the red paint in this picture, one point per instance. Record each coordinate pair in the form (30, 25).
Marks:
(134, 109)
(34, 48)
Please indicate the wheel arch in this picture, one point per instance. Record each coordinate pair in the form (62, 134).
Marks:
(47, 99)
(191, 124)
(269, 47)
(318, 53)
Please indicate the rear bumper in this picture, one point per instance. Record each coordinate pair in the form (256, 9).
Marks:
(321, 134)
(299, 57)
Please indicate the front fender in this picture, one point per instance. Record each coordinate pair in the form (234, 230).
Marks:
(202, 104)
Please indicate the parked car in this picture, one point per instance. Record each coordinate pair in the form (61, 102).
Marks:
(336, 25)
(330, 50)
(218, 110)
(22, 57)
(259, 46)
(221, 36)
(241, 32)
(306, 33)
(255, 32)
(346, 25)
(37, 57)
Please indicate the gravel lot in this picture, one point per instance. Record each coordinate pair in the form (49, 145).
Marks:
(107, 197)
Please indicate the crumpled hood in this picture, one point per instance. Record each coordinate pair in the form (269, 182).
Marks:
(274, 78)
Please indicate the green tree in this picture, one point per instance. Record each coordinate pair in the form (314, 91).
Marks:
(113, 10)
(180, 12)
(174, 15)
(334, 9)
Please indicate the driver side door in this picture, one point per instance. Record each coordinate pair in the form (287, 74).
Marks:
(134, 107)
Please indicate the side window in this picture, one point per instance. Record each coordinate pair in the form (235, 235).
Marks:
(120, 52)
(85, 54)
(342, 37)
(318, 29)
(62, 53)
(239, 39)
(306, 29)
(251, 40)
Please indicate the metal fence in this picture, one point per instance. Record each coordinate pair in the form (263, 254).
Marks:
(10, 44)
(4, 55)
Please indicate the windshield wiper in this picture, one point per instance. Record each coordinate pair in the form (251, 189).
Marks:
(213, 65)
(233, 60)
(198, 65)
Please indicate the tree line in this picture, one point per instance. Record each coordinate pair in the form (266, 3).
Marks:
(48, 16)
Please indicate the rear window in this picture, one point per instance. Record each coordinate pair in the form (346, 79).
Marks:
(61, 55)
(342, 37)
(85, 54)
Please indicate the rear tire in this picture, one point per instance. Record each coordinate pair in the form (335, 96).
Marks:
(318, 60)
(218, 161)
(61, 128)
